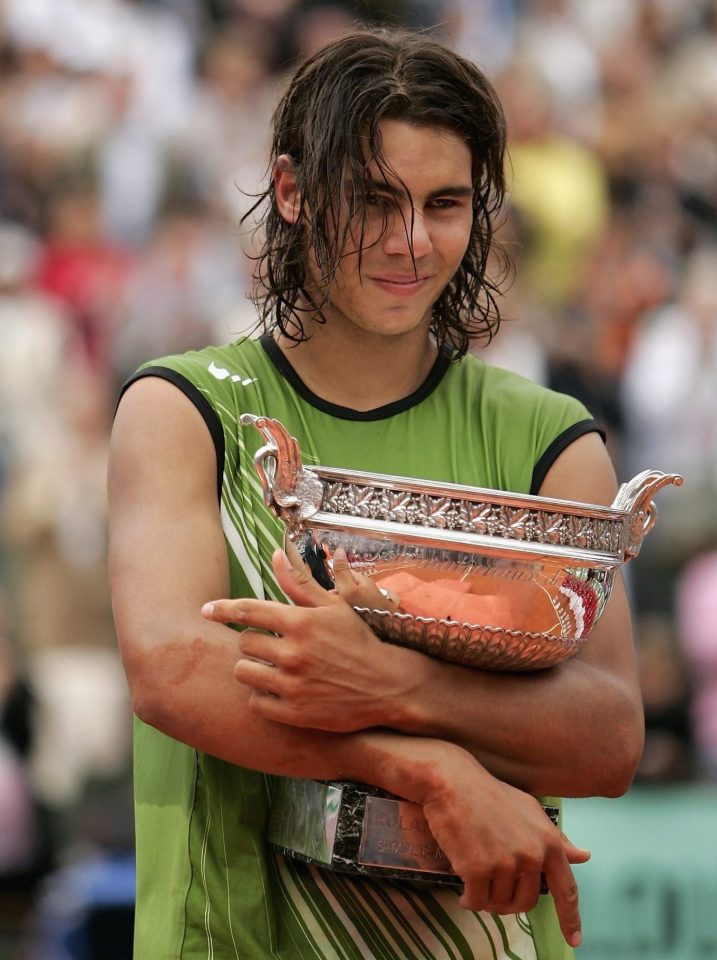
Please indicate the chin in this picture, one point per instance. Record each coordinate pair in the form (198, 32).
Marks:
(393, 326)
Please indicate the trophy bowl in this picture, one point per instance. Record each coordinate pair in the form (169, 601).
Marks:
(484, 578)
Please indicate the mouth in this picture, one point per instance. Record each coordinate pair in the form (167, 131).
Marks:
(400, 285)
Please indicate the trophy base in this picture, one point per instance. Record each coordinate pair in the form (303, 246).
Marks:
(357, 829)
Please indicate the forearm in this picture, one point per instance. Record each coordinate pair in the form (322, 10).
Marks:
(186, 688)
(537, 730)
(573, 730)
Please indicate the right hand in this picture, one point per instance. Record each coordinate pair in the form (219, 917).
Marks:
(500, 841)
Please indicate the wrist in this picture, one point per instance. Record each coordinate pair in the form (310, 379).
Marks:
(410, 709)
(415, 768)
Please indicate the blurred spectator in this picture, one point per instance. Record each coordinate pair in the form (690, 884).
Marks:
(36, 354)
(670, 395)
(19, 837)
(483, 30)
(86, 910)
(522, 342)
(552, 41)
(234, 94)
(51, 118)
(189, 288)
(152, 86)
(697, 626)
(310, 24)
(557, 184)
(22, 837)
(80, 267)
(54, 522)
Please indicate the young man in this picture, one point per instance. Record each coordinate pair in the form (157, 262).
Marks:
(387, 170)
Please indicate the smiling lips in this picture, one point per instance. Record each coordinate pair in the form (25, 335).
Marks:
(401, 286)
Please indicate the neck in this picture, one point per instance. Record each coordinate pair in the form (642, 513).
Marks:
(357, 369)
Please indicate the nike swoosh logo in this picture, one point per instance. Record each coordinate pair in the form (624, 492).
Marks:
(221, 373)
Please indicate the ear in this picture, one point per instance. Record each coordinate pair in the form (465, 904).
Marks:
(286, 191)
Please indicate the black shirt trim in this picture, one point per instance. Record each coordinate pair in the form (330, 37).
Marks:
(193, 394)
(434, 377)
(560, 443)
(279, 360)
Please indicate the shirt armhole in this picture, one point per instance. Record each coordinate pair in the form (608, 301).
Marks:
(208, 413)
(561, 442)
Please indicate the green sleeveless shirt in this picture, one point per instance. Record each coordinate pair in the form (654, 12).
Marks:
(207, 886)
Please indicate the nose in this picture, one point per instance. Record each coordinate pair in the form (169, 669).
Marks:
(406, 233)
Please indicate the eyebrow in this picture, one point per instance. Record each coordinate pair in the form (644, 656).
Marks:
(450, 190)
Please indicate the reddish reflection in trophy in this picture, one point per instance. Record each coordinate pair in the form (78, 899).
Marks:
(485, 578)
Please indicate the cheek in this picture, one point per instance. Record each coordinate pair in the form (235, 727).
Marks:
(456, 244)
(347, 286)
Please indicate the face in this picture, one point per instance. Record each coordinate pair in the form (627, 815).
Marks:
(411, 247)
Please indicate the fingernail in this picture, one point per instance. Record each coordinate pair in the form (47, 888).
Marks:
(576, 939)
(208, 610)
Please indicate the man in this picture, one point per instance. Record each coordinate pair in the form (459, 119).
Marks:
(386, 172)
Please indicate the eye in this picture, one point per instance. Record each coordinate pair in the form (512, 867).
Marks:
(377, 200)
(445, 203)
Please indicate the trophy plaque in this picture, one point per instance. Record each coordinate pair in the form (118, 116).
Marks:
(357, 829)
(483, 578)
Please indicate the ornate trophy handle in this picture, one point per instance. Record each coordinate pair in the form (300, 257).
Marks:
(635, 497)
(291, 491)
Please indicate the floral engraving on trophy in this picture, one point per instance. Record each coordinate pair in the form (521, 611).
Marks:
(473, 516)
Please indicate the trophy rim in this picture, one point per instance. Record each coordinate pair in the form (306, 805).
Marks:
(457, 491)
(297, 493)
(421, 535)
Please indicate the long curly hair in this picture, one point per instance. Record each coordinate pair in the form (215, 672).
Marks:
(328, 123)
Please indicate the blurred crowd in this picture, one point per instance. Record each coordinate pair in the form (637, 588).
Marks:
(133, 134)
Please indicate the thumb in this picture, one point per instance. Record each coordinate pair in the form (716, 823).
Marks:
(297, 582)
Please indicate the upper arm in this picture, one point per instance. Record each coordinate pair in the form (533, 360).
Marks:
(584, 472)
(167, 558)
(166, 553)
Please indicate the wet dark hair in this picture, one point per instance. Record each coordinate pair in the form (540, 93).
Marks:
(328, 123)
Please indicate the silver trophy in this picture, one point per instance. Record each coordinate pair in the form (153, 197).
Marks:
(484, 578)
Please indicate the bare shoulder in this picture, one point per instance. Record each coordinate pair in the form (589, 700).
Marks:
(155, 426)
(583, 472)
(147, 408)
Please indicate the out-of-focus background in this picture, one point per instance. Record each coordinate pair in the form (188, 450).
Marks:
(132, 135)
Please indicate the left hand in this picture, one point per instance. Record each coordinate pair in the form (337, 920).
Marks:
(315, 664)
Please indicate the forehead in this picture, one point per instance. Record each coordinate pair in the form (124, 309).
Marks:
(421, 157)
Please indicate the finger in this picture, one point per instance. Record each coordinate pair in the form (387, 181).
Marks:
(261, 677)
(261, 646)
(501, 889)
(294, 555)
(475, 894)
(564, 889)
(525, 890)
(275, 709)
(344, 576)
(298, 585)
(575, 854)
(525, 893)
(261, 614)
